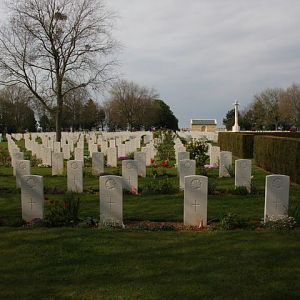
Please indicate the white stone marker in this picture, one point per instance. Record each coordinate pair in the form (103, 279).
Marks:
(66, 151)
(111, 200)
(195, 200)
(130, 175)
(97, 163)
(32, 197)
(243, 173)
(78, 155)
(112, 160)
(214, 156)
(276, 197)
(57, 163)
(14, 157)
(186, 167)
(225, 163)
(121, 150)
(182, 155)
(140, 157)
(22, 168)
(75, 177)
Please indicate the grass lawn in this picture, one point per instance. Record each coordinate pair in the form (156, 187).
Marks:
(87, 263)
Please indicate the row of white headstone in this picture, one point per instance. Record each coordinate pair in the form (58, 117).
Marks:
(195, 198)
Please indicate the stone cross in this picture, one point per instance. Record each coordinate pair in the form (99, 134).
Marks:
(236, 127)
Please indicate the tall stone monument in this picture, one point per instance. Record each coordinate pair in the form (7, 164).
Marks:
(236, 127)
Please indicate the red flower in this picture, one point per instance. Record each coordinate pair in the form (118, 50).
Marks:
(152, 161)
(66, 205)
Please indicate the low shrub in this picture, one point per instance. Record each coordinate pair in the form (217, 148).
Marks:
(160, 186)
(281, 224)
(63, 213)
(232, 221)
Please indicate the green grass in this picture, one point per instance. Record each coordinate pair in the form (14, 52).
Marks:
(86, 263)
(70, 263)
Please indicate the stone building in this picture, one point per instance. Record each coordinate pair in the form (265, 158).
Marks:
(204, 125)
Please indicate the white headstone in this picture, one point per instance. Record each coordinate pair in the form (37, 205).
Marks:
(186, 167)
(182, 155)
(32, 197)
(79, 154)
(195, 200)
(140, 157)
(225, 163)
(14, 157)
(75, 177)
(243, 173)
(130, 175)
(276, 197)
(57, 163)
(214, 155)
(22, 168)
(97, 163)
(112, 157)
(111, 200)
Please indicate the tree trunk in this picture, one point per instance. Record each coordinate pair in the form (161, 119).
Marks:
(58, 118)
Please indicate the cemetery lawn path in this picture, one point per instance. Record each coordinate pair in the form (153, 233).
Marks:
(80, 263)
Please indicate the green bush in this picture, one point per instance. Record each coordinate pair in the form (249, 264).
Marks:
(198, 149)
(278, 155)
(165, 149)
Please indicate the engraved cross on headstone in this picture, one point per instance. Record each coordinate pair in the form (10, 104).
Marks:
(31, 202)
(110, 202)
(196, 204)
(277, 204)
(75, 184)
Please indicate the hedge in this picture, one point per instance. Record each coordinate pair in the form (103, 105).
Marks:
(240, 144)
(278, 155)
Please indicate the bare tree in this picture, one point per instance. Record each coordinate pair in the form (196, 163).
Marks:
(48, 43)
(130, 105)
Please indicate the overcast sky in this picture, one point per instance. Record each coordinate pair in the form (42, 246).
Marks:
(201, 55)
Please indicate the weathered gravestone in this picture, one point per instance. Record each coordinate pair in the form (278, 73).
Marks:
(78, 154)
(243, 173)
(32, 197)
(112, 160)
(214, 156)
(75, 177)
(195, 200)
(140, 158)
(97, 163)
(182, 155)
(225, 163)
(57, 163)
(66, 151)
(130, 175)
(22, 168)
(14, 157)
(121, 150)
(276, 197)
(186, 167)
(111, 200)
